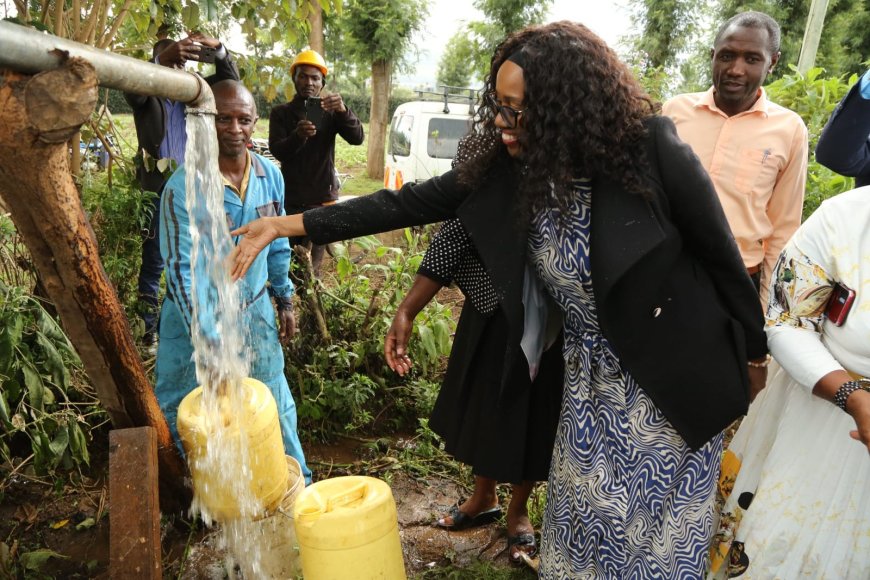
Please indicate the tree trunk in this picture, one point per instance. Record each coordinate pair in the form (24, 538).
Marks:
(39, 115)
(315, 18)
(379, 121)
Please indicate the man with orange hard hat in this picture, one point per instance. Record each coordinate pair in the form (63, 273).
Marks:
(302, 137)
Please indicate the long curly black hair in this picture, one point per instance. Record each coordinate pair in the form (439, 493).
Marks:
(583, 115)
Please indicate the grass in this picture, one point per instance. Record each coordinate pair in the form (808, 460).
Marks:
(481, 570)
(350, 160)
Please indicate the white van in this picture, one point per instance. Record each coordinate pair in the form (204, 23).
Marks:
(423, 139)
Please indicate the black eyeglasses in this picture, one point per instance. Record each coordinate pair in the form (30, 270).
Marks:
(508, 114)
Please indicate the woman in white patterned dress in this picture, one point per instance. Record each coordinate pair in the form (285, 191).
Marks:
(800, 504)
(625, 230)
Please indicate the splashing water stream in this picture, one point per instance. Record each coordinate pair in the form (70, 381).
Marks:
(221, 357)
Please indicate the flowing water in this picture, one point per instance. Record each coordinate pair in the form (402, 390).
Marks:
(218, 334)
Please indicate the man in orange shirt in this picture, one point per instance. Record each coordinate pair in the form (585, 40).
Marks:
(754, 150)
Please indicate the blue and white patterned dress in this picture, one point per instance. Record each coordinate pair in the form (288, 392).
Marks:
(626, 497)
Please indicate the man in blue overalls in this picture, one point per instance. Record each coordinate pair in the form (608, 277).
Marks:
(253, 187)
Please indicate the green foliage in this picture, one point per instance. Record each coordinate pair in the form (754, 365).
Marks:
(343, 383)
(381, 30)
(667, 25)
(118, 213)
(844, 43)
(42, 399)
(814, 98)
(480, 570)
(453, 69)
(472, 47)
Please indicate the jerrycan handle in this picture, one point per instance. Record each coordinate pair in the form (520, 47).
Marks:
(355, 493)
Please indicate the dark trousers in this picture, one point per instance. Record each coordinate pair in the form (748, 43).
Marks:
(150, 272)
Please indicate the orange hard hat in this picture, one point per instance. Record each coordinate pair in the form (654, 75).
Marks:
(310, 58)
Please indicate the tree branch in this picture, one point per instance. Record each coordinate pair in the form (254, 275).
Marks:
(116, 24)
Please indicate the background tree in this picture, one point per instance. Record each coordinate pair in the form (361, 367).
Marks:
(673, 49)
(454, 68)
(666, 28)
(845, 42)
(381, 31)
(472, 46)
(315, 21)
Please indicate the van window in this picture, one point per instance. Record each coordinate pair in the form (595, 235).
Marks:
(400, 135)
(444, 136)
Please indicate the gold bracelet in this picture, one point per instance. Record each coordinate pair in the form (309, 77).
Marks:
(760, 365)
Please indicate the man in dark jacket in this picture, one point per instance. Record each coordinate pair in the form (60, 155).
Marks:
(160, 129)
(844, 146)
(303, 140)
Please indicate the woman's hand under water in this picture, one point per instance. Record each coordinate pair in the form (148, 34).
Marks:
(255, 236)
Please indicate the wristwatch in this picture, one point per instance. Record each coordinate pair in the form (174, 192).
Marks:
(848, 388)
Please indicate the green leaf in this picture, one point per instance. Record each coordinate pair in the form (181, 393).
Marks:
(190, 17)
(41, 446)
(441, 329)
(86, 523)
(78, 443)
(35, 387)
(427, 341)
(36, 559)
(54, 362)
(59, 445)
(5, 412)
(343, 267)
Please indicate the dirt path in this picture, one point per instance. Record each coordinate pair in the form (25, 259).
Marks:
(72, 524)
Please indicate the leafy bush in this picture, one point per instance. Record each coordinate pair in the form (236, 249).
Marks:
(814, 97)
(341, 381)
(118, 213)
(43, 397)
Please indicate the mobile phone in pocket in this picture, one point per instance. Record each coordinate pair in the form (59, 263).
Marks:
(314, 111)
(839, 304)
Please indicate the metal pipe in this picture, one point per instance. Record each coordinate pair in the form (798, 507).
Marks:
(30, 51)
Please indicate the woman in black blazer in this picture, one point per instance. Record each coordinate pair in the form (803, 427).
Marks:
(502, 438)
(660, 317)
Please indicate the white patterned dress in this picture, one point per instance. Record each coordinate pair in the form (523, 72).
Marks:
(626, 497)
(799, 507)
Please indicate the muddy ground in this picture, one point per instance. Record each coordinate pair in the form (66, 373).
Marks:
(73, 524)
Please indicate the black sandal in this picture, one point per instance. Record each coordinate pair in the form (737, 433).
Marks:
(463, 521)
(521, 540)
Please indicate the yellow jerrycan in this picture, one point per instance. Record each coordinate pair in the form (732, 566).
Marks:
(254, 408)
(348, 528)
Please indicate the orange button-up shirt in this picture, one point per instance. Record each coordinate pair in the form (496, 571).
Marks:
(757, 160)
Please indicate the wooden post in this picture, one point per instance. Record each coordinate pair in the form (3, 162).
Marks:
(38, 114)
(134, 511)
(812, 34)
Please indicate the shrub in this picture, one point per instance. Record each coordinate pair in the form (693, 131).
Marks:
(814, 97)
(118, 214)
(341, 382)
(44, 399)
